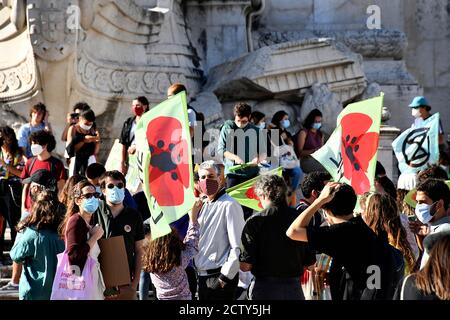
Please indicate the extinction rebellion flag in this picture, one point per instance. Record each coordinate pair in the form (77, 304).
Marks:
(350, 154)
(416, 148)
(163, 151)
(244, 193)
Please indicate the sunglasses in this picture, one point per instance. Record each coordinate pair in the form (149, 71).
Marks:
(90, 195)
(120, 185)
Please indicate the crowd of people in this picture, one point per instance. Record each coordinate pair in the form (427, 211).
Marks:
(307, 242)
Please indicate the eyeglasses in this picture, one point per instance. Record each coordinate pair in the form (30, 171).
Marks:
(90, 195)
(120, 185)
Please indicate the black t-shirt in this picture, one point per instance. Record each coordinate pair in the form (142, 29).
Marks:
(354, 247)
(125, 135)
(317, 219)
(128, 224)
(266, 246)
(407, 290)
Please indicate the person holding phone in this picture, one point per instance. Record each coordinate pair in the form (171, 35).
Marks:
(83, 143)
(38, 121)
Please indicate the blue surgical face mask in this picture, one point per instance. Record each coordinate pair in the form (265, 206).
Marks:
(317, 125)
(98, 189)
(285, 123)
(262, 125)
(90, 205)
(423, 212)
(115, 195)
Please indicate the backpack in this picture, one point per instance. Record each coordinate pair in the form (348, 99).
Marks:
(53, 165)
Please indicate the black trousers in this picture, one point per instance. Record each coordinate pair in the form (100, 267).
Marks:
(209, 288)
(192, 280)
(10, 201)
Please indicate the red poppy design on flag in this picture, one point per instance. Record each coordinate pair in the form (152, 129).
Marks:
(252, 195)
(358, 148)
(169, 162)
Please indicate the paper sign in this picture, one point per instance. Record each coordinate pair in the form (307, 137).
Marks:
(114, 262)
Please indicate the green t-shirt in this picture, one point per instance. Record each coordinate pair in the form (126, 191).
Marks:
(37, 250)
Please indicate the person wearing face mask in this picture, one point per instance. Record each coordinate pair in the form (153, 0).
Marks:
(83, 143)
(308, 140)
(420, 110)
(80, 232)
(221, 222)
(281, 122)
(275, 260)
(38, 121)
(139, 106)
(118, 219)
(258, 119)
(42, 144)
(239, 144)
(432, 208)
(353, 246)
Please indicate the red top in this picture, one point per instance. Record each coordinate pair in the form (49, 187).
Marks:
(59, 173)
(76, 237)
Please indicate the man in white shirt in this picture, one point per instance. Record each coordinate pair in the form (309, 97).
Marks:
(221, 222)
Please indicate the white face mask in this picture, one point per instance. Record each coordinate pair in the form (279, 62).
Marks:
(423, 212)
(415, 113)
(241, 125)
(36, 149)
(85, 127)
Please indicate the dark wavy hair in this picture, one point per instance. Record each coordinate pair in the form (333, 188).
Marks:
(311, 117)
(46, 213)
(382, 216)
(43, 138)
(163, 254)
(72, 207)
(67, 191)
(8, 132)
(277, 117)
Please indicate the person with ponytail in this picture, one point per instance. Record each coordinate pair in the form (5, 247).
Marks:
(38, 247)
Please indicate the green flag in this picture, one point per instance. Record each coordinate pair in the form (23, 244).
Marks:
(350, 154)
(244, 193)
(163, 152)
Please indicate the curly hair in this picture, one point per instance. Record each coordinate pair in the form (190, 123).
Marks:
(72, 207)
(44, 138)
(382, 216)
(45, 213)
(163, 254)
(274, 187)
(242, 109)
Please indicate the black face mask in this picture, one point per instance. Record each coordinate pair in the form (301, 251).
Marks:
(1, 141)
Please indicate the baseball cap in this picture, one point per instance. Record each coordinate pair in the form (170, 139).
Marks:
(42, 177)
(419, 101)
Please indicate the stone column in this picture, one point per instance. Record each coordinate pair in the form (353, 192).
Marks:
(385, 152)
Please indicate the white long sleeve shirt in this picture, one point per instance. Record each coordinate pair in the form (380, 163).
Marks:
(221, 224)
